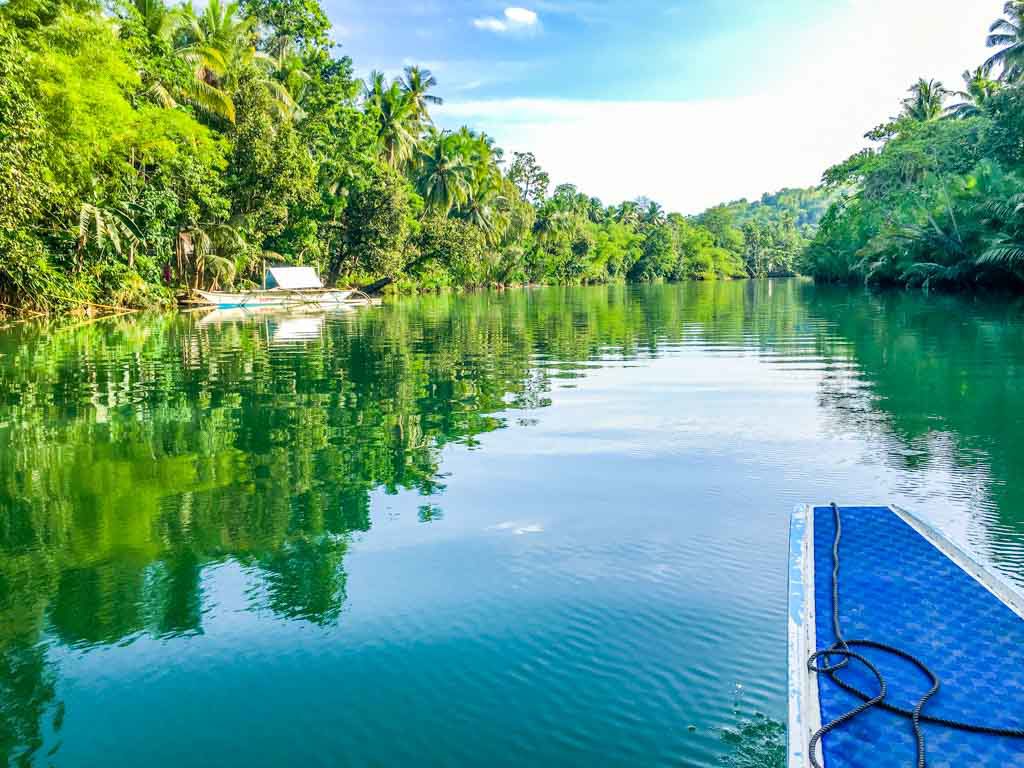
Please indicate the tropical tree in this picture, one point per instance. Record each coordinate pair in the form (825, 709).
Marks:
(483, 208)
(529, 177)
(110, 228)
(289, 69)
(159, 21)
(171, 28)
(925, 102)
(208, 247)
(1006, 249)
(1007, 34)
(653, 214)
(221, 45)
(979, 89)
(396, 121)
(415, 84)
(445, 180)
(628, 213)
(550, 223)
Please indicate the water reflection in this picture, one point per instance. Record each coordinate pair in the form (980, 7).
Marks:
(137, 453)
(936, 382)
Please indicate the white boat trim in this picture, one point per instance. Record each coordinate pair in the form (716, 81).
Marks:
(804, 704)
(276, 297)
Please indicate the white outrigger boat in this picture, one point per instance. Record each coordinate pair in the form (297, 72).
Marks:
(285, 287)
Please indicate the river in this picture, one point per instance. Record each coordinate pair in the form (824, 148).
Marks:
(540, 527)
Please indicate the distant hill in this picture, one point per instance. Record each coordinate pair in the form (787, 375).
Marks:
(807, 206)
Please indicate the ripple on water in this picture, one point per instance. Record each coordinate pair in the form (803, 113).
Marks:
(528, 528)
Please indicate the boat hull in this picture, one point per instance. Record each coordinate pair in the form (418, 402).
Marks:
(275, 298)
(903, 583)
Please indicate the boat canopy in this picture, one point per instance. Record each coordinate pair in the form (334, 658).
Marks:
(292, 278)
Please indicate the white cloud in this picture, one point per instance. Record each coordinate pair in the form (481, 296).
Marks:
(491, 24)
(522, 16)
(515, 20)
(843, 77)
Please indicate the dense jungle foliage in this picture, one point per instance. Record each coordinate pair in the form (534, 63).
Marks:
(148, 148)
(939, 201)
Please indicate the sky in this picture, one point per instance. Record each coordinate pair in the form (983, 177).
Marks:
(688, 102)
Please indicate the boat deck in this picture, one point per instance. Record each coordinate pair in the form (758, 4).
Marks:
(902, 583)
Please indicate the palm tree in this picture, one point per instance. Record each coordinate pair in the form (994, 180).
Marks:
(374, 88)
(550, 223)
(415, 85)
(654, 214)
(397, 127)
(1007, 34)
(979, 91)
(210, 42)
(445, 180)
(221, 46)
(483, 209)
(170, 25)
(160, 22)
(289, 71)
(1006, 249)
(208, 245)
(925, 101)
(628, 213)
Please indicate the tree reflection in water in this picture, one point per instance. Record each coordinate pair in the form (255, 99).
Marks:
(137, 452)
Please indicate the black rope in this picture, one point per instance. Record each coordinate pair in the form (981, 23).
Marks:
(821, 662)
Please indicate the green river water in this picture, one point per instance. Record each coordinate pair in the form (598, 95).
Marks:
(535, 528)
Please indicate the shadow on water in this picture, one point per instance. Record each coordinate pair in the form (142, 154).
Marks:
(137, 453)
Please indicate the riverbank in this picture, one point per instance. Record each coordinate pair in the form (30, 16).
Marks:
(178, 297)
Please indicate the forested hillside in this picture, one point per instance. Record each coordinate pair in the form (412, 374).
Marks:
(805, 206)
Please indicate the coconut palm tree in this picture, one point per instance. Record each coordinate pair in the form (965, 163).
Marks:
(550, 223)
(170, 26)
(160, 22)
(925, 101)
(415, 84)
(483, 208)
(397, 127)
(1007, 34)
(445, 179)
(208, 246)
(221, 46)
(211, 41)
(654, 214)
(373, 89)
(628, 213)
(288, 69)
(979, 91)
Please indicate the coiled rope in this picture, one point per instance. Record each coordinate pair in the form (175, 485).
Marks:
(821, 662)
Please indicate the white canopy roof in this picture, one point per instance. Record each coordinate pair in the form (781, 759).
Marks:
(293, 278)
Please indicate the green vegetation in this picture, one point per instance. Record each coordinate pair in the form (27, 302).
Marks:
(154, 148)
(940, 203)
